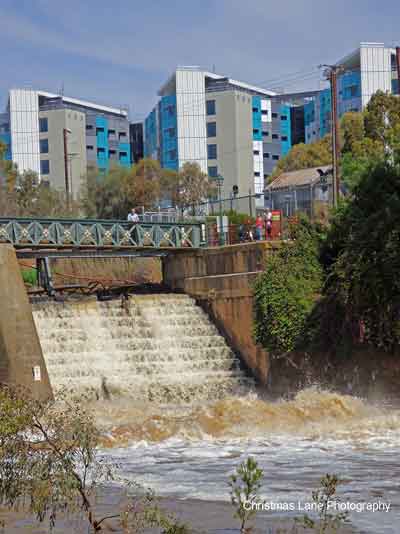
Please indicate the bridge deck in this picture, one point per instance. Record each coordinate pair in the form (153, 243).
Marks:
(72, 234)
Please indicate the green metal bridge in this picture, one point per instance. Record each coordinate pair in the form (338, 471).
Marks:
(69, 236)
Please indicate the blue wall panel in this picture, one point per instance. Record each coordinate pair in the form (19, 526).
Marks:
(325, 99)
(102, 142)
(125, 157)
(349, 92)
(151, 135)
(286, 145)
(257, 124)
(168, 132)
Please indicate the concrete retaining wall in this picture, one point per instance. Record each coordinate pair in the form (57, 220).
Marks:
(21, 358)
(221, 280)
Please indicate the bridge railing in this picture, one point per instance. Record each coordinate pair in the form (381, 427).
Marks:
(41, 232)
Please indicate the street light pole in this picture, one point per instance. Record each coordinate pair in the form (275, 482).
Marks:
(220, 181)
(67, 194)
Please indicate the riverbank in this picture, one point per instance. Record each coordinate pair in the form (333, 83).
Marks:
(205, 517)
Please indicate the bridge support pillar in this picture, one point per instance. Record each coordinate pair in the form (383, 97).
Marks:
(21, 358)
(45, 278)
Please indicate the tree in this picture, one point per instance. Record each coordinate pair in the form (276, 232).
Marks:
(48, 456)
(352, 131)
(171, 186)
(327, 522)
(365, 257)
(143, 185)
(245, 486)
(187, 187)
(382, 119)
(303, 156)
(49, 464)
(194, 185)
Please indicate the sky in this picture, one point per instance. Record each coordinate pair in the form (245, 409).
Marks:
(119, 52)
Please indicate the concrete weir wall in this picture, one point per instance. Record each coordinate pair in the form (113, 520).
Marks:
(221, 279)
(21, 358)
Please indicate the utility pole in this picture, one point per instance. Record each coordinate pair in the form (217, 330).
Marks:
(398, 68)
(331, 73)
(65, 133)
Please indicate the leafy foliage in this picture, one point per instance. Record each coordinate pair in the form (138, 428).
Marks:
(23, 195)
(245, 485)
(286, 292)
(144, 185)
(29, 276)
(50, 465)
(362, 252)
(327, 522)
(304, 156)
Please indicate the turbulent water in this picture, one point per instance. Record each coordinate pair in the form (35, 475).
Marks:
(170, 396)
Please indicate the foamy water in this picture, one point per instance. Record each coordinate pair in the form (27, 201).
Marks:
(179, 415)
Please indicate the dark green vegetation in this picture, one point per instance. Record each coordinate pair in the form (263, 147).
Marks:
(337, 287)
(286, 292)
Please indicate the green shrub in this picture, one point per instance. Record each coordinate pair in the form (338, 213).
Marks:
(29, 276)
(286, 292)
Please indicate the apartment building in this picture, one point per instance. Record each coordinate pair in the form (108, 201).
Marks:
(60, 138)
(230, 128)
(369, 68)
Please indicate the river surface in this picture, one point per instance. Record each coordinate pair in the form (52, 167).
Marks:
(178, 414)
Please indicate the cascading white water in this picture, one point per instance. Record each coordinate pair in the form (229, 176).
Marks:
(159, 348)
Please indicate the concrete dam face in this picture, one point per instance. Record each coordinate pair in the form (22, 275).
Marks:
(158, 348)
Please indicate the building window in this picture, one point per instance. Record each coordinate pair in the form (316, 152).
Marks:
(274, 115)
(170, 110)
(353, 90)
(99, 130)
(213, 171)
(275, 157)
(266, 176)
(212, 151)
(256, 173)
(210, 107)
(89, 126)
(264, 112)
(266, 155)
(275, 136)
(255, 110)
(283, 117)
(111, 152)
(265, 134)
(43, 125)
(44, 166)
(122, 135)
(101, 152)
(284, 138)
(111, 133)
(211, 129)
(256, 131)
(256, 152)
(44, 146)
(89, 147)
(123, 155)
(172, 154)
(171, 132)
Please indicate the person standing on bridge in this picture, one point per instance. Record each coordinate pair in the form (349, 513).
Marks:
(259, 228)
(133, 216)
